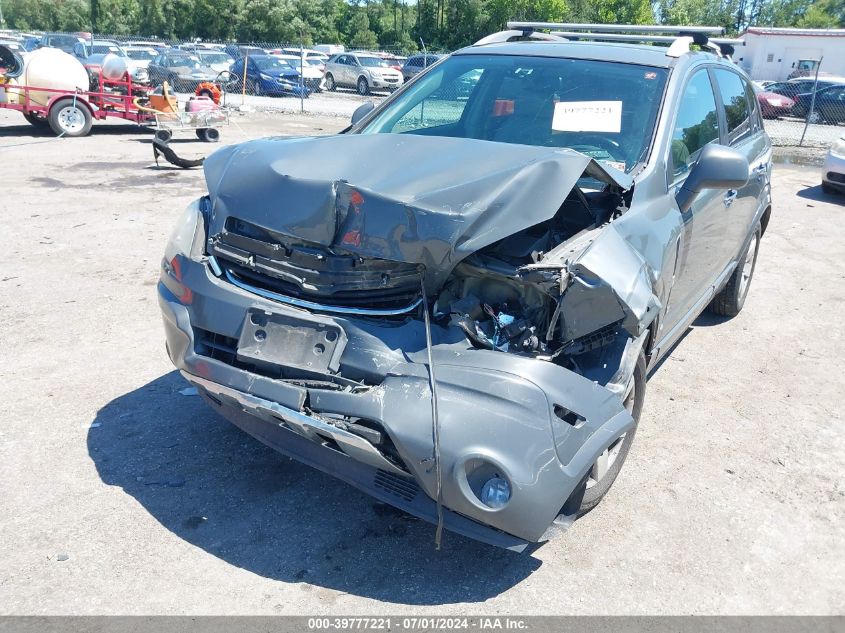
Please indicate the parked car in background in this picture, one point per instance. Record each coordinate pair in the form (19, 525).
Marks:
(415, 64)
(237, 51)
(266, 75)
(772, 105)
(307, 53)
(141, 55)
(62, 41)
(828, 106)
(364, 72)
(155, 44)
(833, 172)
(13, 45)
(795, 87)
(93, 55)
(216, 59)
(181, 70)
(313, 76)
(30, 42)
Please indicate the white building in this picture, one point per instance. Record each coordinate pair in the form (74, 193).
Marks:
(774, 53)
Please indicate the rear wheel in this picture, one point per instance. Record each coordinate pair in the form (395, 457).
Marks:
(607, 466)
(330, 84)
(208, 135)
(38, 120)
(68, 117)
(730, 300)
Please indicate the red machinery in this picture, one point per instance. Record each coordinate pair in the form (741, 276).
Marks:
(73, 113)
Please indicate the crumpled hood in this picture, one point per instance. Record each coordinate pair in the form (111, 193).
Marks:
(410, 198)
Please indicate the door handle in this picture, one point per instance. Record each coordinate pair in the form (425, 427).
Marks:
(761, 171)
(730, 196)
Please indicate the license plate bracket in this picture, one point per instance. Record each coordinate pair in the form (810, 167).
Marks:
(311, 344)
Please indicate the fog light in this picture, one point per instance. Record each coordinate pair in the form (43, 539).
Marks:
(495, 493)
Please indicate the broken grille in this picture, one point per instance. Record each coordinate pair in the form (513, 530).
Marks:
(253, 257)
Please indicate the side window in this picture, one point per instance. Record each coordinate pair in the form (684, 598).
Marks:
(751, 97)
(736, 104)
(696, 124)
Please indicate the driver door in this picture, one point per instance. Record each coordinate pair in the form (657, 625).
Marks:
(696, 124)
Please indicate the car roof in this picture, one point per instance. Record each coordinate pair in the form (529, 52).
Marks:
(604, 51)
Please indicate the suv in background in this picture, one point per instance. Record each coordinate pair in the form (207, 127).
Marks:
(62, 41)
(362, 71)
(453, 304)
(415, 64)
(93, 55)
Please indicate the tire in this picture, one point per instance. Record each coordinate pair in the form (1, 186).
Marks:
(163, 136)
(68, 117)
(208, 135)
(815, 117)
(597, 484)
(730, 300)
(255, 88)
(36, 119)
(363, 86)
(331, 86)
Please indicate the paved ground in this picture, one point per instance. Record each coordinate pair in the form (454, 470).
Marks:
(118, 494)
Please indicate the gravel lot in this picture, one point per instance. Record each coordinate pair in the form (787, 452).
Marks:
(121, 495)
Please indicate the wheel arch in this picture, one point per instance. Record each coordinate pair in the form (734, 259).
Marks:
(764, 220)
(79, 101)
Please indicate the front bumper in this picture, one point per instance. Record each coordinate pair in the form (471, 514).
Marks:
(494, 408)
(384, 82)
(833, 172)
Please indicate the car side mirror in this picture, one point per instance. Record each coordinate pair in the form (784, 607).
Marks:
(361, 111)
(717, 167)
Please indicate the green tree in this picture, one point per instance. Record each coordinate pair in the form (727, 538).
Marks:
(359, 33)
(118, 17)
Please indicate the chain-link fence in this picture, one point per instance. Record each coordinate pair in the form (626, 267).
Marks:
(803, 111)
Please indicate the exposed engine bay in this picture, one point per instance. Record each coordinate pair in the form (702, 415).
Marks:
(501, 304)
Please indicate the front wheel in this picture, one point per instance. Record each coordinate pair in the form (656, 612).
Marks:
(69, 118)
(609, 463)
(363, 86)
(330, 84)
(815, 117)
(730, 300)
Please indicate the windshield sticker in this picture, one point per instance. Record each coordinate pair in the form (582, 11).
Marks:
(616, 164)
(588, 116)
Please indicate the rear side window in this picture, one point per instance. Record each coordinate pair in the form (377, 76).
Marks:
(697, 123)
(735, 101)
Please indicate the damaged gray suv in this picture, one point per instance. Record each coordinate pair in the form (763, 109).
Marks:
(453, 304)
